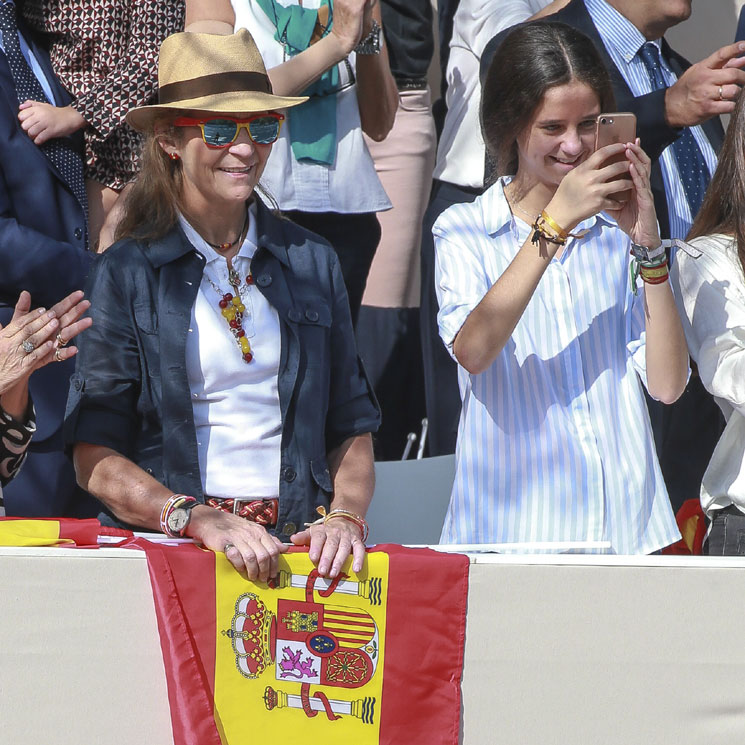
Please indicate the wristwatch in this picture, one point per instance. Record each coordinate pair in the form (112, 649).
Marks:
(371, 43)
(177, 514)
(648, 255)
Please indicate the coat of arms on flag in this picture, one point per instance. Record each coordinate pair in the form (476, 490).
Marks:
(373, 657)
(306, 652)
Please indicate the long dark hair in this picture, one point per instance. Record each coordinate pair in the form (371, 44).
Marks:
(531, 59)
(723, 208)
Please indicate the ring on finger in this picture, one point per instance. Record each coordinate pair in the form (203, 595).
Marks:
(227, 547)
(57, 356)
(61, 342)
(28, 346)
(721, 93)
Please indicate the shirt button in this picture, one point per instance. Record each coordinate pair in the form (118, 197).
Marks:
(288, 473)
(78, 233)
(311, 315)
(289, 528)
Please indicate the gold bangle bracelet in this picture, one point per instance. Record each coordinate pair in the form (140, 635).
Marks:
(561, 232)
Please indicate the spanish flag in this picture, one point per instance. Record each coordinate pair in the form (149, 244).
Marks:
(367, 658)
(48, 532)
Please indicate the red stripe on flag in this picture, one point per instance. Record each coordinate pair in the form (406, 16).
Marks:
(183, 582)
(424, 642)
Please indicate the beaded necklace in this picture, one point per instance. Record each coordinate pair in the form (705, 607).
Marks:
(232, 309)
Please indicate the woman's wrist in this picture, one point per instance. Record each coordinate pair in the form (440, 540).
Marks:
(15, 401)
(563, 216)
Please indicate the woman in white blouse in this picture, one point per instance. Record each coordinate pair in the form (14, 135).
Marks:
(554, 444)
(320, 173)
(709, 276)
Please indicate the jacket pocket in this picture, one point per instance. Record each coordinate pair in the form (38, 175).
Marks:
(319, 468)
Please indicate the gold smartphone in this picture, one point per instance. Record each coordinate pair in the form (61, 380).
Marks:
(619, 126)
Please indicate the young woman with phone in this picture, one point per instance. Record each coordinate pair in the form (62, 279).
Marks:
(551, 334)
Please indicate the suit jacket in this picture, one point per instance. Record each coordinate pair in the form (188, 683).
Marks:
(42, 233)
(655, 133)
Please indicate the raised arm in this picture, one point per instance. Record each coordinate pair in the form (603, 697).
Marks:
(352, 21)
(582, 193)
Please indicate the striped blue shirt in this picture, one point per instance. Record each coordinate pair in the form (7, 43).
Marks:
(623, 41)
(554, 440)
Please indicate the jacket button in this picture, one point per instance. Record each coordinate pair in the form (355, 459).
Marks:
(289, 528)
(78, 233)
(311, 315)
(288, 473)
(264, 280)
(294, 315)
(78, 384)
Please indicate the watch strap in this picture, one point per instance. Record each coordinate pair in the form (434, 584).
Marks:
(371, 43)
(175, 502)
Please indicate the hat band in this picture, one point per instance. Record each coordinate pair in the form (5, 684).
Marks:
(208, 85)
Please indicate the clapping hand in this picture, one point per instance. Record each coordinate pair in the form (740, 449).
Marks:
(33, 338)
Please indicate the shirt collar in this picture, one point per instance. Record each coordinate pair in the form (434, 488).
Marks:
(497, 214)
(616, 30)
(246, 251)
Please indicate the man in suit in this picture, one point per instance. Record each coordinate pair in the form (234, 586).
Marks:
(43, 249)
(677, 106)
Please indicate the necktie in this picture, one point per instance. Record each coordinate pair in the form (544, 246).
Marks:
(60, 151)
(691, 164)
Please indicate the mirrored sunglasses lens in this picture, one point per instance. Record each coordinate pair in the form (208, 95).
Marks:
(264, 130)
(219, 132)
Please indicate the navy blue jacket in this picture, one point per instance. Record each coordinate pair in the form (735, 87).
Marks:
(130, 391)
(42, 250)
(651, 127)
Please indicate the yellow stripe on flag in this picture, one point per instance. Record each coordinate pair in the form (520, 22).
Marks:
(282, 654)
(30, 533)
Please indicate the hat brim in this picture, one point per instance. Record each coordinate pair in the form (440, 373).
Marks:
(143, 118)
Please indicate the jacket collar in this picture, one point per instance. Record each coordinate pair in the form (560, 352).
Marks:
(175, 244)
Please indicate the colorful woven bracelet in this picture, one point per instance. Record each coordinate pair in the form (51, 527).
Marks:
(174, 501)
(649, 273)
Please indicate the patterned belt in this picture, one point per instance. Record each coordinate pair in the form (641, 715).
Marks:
(260, 511)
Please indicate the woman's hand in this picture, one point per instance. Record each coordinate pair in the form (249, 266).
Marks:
(352, 21)
(330, 545)
(587, 189)
(36, 330)
(246, 545)
(637, 216)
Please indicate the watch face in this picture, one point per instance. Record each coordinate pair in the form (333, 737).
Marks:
(178, 520)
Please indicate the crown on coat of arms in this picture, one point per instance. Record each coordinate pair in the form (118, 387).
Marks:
(252, 634)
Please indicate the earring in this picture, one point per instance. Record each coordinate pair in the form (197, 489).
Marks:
(173, 156)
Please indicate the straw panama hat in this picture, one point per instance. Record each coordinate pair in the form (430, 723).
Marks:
(210, 73)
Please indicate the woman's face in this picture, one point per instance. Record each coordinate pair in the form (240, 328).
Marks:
(560, 136)
(214, 178)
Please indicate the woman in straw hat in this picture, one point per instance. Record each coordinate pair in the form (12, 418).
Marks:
(334, 53)
(220, 396)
